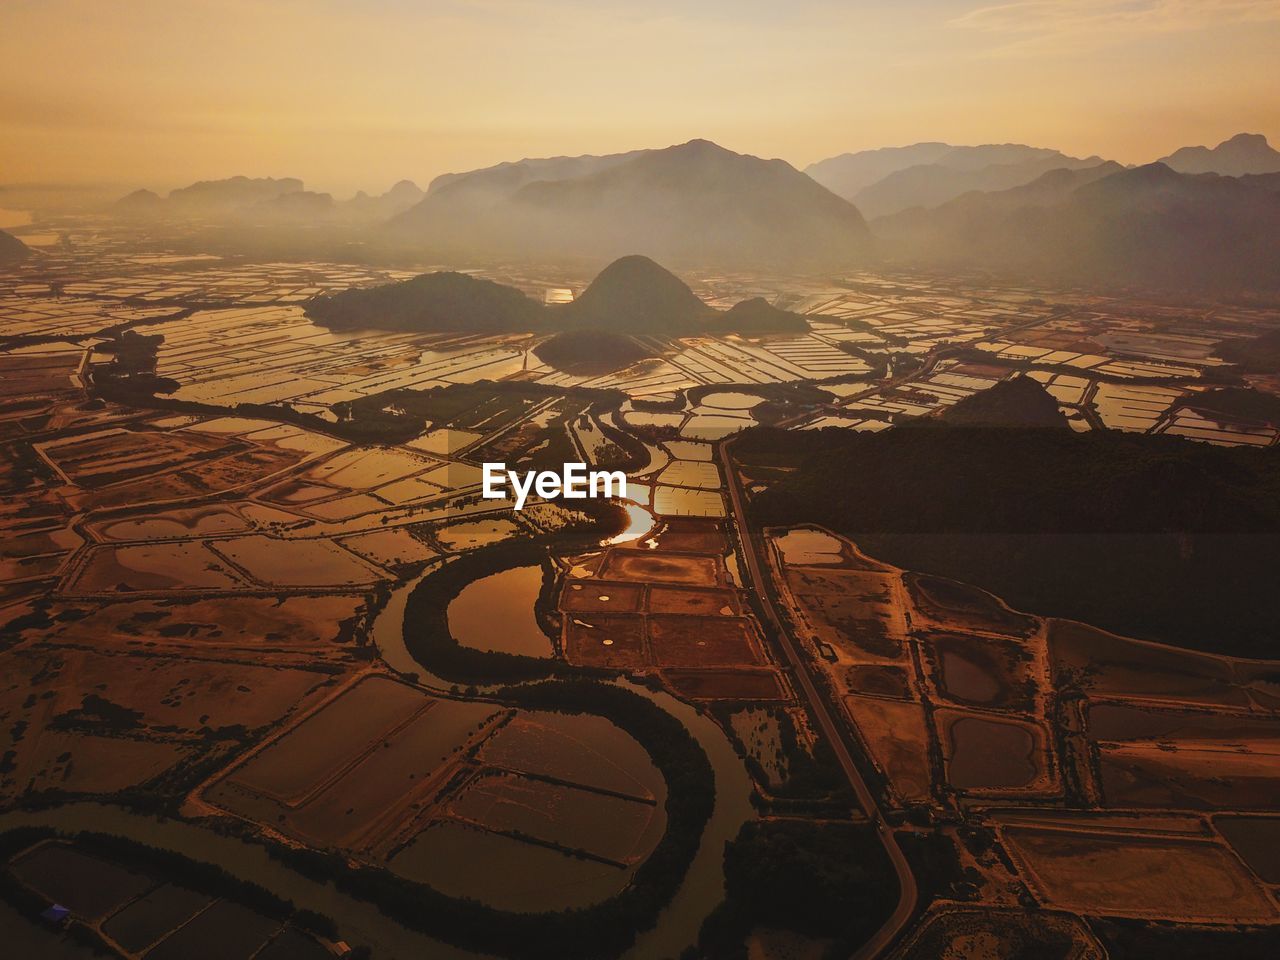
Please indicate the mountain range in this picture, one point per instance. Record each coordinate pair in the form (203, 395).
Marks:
(267, 200)
(1245, 153)
(884, 182)
(1144, 226)
(694, 203)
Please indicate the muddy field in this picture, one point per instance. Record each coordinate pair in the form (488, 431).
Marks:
(1133, 875)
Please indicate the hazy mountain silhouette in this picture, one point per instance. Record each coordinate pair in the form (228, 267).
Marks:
(1244, 153)
(987, 224)
(140, 203)
(633, 295)
(931, 185)
(12, 249)
(692, 203)
(590, 352)
(503, 179)
(268, 202)
(1146, 226)
(398, 199)
(220, 196)
(757, 315)
(431, 302)
(848, 173)
(298, 206)
(882, 182)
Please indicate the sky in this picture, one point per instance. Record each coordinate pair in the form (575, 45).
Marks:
(356, 95)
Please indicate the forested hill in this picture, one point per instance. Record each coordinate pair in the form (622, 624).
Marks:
(1154, 536)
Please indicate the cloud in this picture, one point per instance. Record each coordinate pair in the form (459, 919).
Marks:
(1041, 26)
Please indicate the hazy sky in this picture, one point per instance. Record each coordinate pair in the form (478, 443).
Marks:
(350, 94)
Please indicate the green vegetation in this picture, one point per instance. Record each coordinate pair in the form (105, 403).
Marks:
(826, 880)
(1154, 537)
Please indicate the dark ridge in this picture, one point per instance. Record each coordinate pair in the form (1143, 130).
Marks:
(12, 249)
(1018, 402)
(590, 352)
(758, 315)
(635, 294)
(429, 303)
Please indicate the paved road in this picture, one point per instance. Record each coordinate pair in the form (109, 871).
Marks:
(758, 570)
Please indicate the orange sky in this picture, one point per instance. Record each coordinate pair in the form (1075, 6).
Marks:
(354, 95)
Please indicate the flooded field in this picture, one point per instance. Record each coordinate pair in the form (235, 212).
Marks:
(989, 754)
(496, 613)
(983, 670)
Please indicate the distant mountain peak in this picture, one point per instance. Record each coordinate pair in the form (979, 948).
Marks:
(1243, 154)
(690, 203)
(635, 293)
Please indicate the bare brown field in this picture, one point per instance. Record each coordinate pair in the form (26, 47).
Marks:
(154, 567)
(651, 567)
(986, 753)
(297, 562)
(165, 691)
(1116, 721)
(691, 535)
(1136, 876)
(677, 641)
(1104, 664)
(323, 743)
(581, 749)
(606, 641)
(877, 680)
(951, 932)
(851, 610)
(691, 601)
(356, 792)
(612, 828)
(118, 455)
(76, 762)
(898, 739)
(265, 626)
(1211, 778)
(48, 374)
(601, 596)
